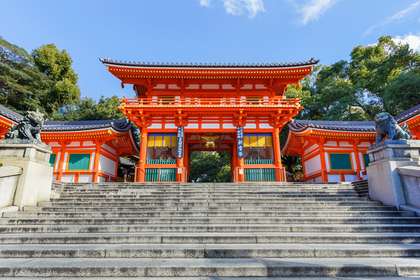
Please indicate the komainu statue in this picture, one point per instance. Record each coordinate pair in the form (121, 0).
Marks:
(386, 125)
(28, 128)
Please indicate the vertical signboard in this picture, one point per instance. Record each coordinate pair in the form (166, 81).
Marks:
(180, 148)
(240, 137)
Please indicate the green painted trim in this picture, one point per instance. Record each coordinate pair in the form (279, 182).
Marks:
(165, 175)
(79, 162)
(52, 159)
(259, 161)
(161, 161)
(263, 174)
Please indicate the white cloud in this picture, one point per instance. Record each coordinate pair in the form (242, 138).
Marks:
(205, 3)
(237, 7)
(400, 16)
(311, 9)
(412, 40)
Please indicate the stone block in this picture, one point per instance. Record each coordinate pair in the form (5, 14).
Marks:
(35, 181)
(9, 177)
(386, 157)
(410, 178)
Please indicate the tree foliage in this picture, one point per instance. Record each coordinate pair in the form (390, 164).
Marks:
(210, 166)
(22, 86)
(56, 66)
(380, 77)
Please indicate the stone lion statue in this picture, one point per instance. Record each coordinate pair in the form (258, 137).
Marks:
(28, 128)
(386, 125)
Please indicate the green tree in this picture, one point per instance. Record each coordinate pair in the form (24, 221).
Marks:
(56, 66)
(22, 86)
(89, 109)
(210, 166)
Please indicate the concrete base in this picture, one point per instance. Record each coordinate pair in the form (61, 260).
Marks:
(385, 157)
(35, 181)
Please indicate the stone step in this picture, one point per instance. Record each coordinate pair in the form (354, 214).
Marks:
(210, 204)
(212, 238)
(236, 214)
(210, 251)
(360, 228)
(206, 200)
(215, 267)
(224, 208)
(206, 196)
(220, 278)
(210, 220)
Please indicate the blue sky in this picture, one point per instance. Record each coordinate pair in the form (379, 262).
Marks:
(207, 31)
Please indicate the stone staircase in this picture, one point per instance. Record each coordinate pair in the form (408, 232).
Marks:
(210, 231)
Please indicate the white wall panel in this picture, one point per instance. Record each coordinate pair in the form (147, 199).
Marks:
(210, 125)
(85, 178)
(350, 177)
(67, 178)
(312, 165)
(333, 178)
(228, 126)
(107, 165)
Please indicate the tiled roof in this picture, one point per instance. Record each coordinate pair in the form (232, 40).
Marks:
(301, 125)
(119, 125)
(11, 115)
(412, 112)
(310, 62)
(126, 162)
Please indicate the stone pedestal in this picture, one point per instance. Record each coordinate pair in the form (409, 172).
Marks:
(383, 179)
(34, 183)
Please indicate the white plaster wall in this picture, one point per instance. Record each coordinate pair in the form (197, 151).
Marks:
(364, 144)
(250, 126)
(331, 143)
(85, 178)
(350, 177)
(156, 125)
(67, 178)
(57, 160)
(312, 165)
(54, 144)
(318, 179)
(210, 125)
(310, 149)
(170, 126)
(88, 143)
(101, 179)
(192, 126)
(327, 160)
(333, 178)
(265, 125)
(92, 160)
(353, 158)
(65, 161)
(364, 176)
(109, 149)
(74, 143)
(54, 177)
(228, 126)
(345, 144)
(107, 165)
(362, 163)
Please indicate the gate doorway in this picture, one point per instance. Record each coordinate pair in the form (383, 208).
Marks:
(209, 156)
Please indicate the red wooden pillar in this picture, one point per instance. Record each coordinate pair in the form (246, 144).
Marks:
(61, 161)
(324, 175)
(356, 157)
(143, 154)
(95, 175)
(277, 155)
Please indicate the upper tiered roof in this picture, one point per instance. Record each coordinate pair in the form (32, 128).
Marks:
(310, 62)
(344, 126)
(9, 114)
(118, 125)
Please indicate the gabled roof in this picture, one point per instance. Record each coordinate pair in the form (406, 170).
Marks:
(406, 115)
(310, 62)
(9, 114)
(344, 126)
(118, 125)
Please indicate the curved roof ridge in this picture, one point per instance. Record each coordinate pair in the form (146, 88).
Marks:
(408, 114)
(11, 115)
(121, 125)
(312, 61)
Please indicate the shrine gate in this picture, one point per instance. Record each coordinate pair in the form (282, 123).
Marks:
(180, 108)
